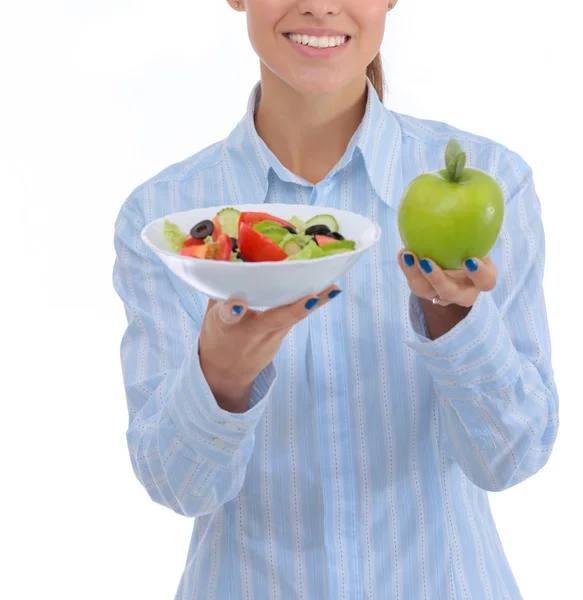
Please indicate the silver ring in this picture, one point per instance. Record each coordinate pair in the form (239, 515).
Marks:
(436, 300)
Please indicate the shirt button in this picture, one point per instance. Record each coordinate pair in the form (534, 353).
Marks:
(235, 427)
(218, 443)
(448, 382)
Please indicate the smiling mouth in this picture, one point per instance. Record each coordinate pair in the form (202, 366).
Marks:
(318, 42)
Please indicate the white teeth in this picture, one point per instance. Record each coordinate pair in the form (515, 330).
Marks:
(318, 42)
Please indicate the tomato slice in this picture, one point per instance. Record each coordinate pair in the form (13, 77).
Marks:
(257, 247)
(190, 241)
(322, 240)
(251, 218)
(218, 230)
(225, 247)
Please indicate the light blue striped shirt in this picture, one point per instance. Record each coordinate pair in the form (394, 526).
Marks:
(361, 469)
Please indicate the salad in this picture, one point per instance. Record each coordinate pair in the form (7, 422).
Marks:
(258, 237)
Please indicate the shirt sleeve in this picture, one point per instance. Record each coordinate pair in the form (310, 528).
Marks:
(188, 453)
(492, 372)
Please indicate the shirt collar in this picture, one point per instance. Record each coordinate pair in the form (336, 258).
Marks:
(377, 140)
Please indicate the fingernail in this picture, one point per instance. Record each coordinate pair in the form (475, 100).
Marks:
(334, 293)
(425, 265)
(237, 309)
(409, 259)
(311, 303)
(472, 265)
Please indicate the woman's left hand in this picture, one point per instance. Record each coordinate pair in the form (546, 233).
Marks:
(462, 287)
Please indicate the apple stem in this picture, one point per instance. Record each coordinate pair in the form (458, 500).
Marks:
(455, 160)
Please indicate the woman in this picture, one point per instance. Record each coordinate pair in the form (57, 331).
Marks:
(343, 446)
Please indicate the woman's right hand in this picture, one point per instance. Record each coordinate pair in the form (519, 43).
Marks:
(236, 344)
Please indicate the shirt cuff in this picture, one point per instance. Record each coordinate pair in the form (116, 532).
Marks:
(475, 358)
(417, 319)
(214, 433)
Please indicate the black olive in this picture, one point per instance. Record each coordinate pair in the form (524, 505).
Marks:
(336, 236)
(234, 245)
(289, 228)
(318, 230)
(239, 255)
(202, 230)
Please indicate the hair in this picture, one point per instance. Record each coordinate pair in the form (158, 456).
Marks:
(374, 72)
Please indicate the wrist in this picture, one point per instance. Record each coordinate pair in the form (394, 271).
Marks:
(442, 319)
(230, 393)
(233, 401)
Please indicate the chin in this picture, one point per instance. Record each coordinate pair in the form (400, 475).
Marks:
(316, 83)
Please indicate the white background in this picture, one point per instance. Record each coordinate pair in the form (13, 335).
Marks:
(100, 96)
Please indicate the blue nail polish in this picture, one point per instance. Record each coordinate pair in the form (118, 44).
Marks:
(425, 265)
(237, 309)
(472, 265)
(409, 259)
(334, 293)
(311, 303)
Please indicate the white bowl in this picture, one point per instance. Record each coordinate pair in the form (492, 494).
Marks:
(262, 284)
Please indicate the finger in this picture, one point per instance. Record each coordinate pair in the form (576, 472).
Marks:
(451, 291)
(285, 317)
(419, 285)
(210, 305)
(483, 273)
(231, 312)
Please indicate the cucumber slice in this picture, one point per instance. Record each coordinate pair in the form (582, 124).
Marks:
(229, 220)
(291, 247)
(293, 243)
(310, 251)
(327, 220)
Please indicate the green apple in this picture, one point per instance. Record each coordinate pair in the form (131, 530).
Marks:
(451, 214)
